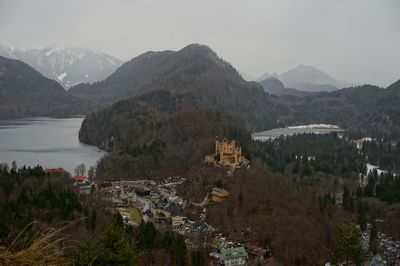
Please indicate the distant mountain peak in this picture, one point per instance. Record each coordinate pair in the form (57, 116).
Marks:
(274, 86)
(307, 69)
(69, 65)
(195, 72)
(197, 47)
(305, 77)
(305, 66)
(267, 75)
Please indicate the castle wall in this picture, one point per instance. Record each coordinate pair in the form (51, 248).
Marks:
(229, 155)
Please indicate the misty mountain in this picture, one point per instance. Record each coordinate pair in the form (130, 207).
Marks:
(247, 76)
(363, 110)
(308, 78)
(274, 86)
(67, 65)
(6, 51)
(267, 75)
(194, 71)
(197, 74)
(24, 92)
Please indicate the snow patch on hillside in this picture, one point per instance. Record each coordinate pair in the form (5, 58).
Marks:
(62, 76)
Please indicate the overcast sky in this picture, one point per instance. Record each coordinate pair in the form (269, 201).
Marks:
(353, 40)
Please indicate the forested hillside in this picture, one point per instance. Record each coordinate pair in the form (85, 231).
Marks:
(45, 222)
(196, 71)
(24, 92)
(274, 86)
(156, 133)
(364, 110)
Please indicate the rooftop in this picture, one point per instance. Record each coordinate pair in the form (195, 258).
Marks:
(54, 170)
(79, 178)
(233, 253)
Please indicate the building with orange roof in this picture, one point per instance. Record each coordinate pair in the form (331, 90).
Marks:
(79, 178)
(219, 194)
(54, 170)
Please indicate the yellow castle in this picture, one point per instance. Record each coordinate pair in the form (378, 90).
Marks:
(226, 154)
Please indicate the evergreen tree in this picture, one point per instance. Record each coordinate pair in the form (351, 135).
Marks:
(346, 199)
(296, 168)
(373, 241)
(93, 220)
(362, 215)
(348, 248)
(114, 248)
(147, 236)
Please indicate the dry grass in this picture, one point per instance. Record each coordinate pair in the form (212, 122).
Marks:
(46, 248)
(135, 214)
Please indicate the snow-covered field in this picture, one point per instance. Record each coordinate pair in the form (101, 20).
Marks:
(316, 126)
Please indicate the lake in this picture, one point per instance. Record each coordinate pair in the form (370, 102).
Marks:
(288, 131)
(49, 142)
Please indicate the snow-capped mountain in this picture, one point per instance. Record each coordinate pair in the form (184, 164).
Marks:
(68, 65)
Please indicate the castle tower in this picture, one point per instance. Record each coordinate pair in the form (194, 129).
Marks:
(228, 154)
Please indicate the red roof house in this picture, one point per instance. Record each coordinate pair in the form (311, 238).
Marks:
(79, 178)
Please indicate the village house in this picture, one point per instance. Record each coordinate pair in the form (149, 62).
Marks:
(104, 185)
(155, 194)
(360, 142)
(219, 194)
(169, 211)
(198, 227)
(85, 188)
(233, 256)
(54, 170)
(178, 220)
(171, 181)
(79, 179)
(142, 191)
(259, 255)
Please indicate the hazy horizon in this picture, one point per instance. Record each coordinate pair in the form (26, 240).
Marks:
(350, 41)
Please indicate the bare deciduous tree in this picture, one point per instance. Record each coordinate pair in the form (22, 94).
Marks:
(80, 169)
(92, 173)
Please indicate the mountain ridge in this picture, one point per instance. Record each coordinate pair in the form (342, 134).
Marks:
(194, 70)
(68, 65)
(308, 78)
(274, 86)
(24, 92)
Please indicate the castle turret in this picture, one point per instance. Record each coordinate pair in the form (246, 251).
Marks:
(227, 153)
